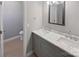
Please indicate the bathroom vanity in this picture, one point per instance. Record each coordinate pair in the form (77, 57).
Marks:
(52, 44)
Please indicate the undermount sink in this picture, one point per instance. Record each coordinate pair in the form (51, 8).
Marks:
(53, 36)
(73, 42)
(74, 39)
(71, 37)
(43, 31)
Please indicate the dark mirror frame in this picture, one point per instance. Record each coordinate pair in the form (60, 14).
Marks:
(63, 19)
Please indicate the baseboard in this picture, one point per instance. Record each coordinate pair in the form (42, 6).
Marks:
(12, 38)
(29, 53)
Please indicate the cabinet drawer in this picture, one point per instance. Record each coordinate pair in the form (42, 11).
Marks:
(36, 44)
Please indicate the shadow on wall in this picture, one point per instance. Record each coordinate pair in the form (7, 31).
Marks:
(29, 46)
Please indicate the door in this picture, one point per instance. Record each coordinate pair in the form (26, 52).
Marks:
(1, 30)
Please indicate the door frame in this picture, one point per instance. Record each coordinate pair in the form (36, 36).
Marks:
(24, 29)
(2, 35)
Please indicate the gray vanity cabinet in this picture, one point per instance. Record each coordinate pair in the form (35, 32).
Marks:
(43, 48)
(49, 49)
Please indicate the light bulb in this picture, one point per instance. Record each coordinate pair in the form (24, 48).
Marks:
(54, 1)
(48, 2)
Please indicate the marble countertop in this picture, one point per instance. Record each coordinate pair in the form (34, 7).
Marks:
(59, 40)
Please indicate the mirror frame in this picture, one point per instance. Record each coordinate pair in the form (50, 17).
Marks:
(63, 19)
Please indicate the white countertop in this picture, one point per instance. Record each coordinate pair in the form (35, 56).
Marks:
(60, 41)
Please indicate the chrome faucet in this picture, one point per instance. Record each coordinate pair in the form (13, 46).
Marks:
(69, 34)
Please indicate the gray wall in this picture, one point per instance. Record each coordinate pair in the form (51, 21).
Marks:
(12, 18)
(71, 18)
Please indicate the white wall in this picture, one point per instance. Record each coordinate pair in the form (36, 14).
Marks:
(34, 15)
(33, 20)
(71, 18)
(12, 18)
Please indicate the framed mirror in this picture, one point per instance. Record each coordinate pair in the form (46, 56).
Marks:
(56, 12)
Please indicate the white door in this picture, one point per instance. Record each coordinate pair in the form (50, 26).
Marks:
(1, 30)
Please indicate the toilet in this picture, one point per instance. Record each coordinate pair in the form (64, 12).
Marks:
(21, 35)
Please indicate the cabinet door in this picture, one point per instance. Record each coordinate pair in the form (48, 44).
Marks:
(36, 44)
(50, 50)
